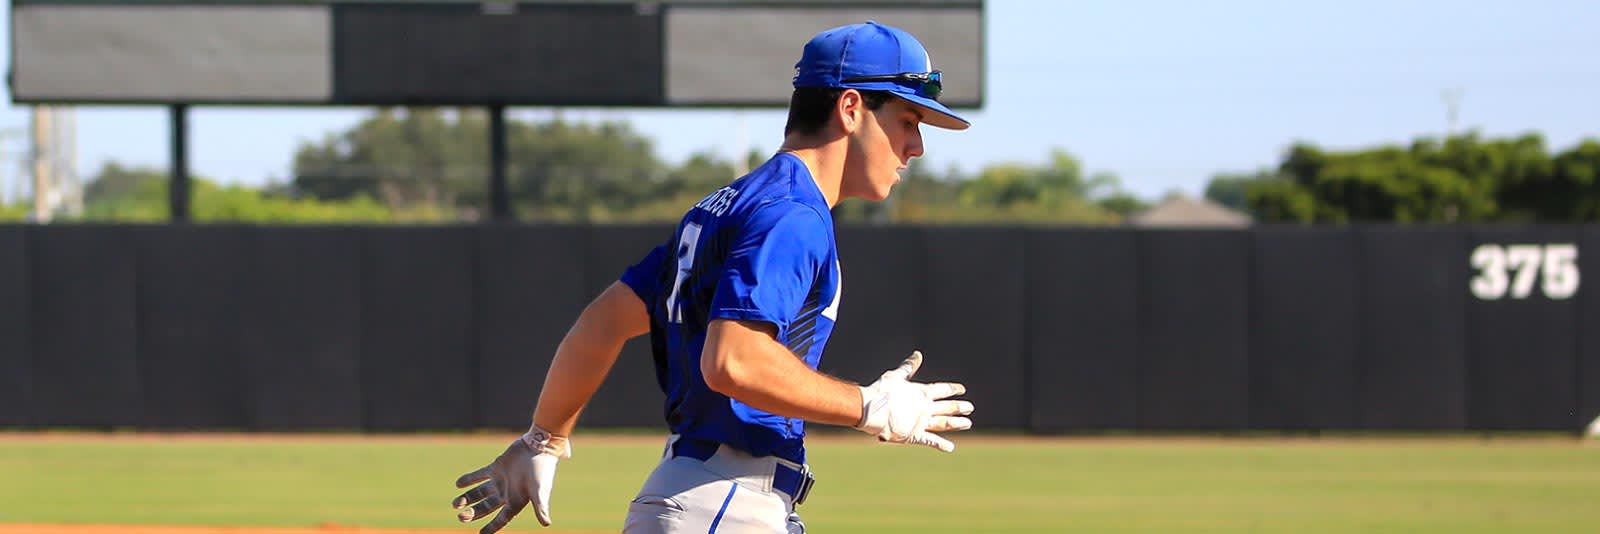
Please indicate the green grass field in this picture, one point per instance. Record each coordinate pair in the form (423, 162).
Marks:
(989, 485)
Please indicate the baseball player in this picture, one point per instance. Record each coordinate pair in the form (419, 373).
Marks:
(739, 305)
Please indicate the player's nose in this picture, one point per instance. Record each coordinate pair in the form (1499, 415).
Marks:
(914, 144)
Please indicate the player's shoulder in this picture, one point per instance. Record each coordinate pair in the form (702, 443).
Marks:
(789, 213)
(780, 188)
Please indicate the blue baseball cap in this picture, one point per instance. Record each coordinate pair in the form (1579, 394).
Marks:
(876, 57)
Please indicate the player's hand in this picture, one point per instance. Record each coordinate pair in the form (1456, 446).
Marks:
(525, 472)
(898, 410)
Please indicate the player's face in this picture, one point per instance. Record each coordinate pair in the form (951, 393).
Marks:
(880, 148)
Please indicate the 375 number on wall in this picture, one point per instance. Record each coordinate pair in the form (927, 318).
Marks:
(1513, 270)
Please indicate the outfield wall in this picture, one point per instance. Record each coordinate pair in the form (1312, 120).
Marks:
(1052, 329)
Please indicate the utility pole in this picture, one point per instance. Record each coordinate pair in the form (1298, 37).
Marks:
(741, 146)
(41, 164)
(1452, 104)
(65, 147)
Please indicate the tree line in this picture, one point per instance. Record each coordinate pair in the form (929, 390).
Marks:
(430, 165)
(607, 172)
(1458, 179)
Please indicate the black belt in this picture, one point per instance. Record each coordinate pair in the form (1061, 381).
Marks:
(795, 482)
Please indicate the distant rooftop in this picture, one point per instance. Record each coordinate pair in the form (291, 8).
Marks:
(1181, 211)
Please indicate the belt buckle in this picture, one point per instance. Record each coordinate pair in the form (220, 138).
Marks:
(806, 481)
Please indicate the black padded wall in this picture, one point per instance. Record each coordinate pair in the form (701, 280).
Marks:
(1587, 377)
(1522, 344)
(419, 365)
(189, 311)
(1413, 361)
(1304, 329)
(974, 320)
(84, 324)
(1083, 329)
(1053, 329)
(1194, 335)
(300, 341)
(530, 287)
(16, 353)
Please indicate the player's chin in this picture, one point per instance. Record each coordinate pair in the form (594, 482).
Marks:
(879, 193)
(885, 187)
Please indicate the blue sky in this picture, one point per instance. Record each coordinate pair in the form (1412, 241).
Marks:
(1163, 93)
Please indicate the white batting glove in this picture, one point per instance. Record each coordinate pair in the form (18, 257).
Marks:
(524, 473)
(900, 411)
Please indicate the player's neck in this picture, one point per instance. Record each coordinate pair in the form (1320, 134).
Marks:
(825, 161)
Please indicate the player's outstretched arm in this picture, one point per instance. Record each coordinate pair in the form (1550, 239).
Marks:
(744, 360)
(525, 473)
(586, 355)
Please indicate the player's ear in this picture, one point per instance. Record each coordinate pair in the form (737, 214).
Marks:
(848, 110)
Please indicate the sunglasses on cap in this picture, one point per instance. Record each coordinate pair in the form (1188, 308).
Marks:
(926, 83)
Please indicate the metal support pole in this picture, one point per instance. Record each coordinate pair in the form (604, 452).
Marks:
(499, 198)
(42, 153)
(178, 190)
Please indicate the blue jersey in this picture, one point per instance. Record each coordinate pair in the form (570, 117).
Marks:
(760, 249)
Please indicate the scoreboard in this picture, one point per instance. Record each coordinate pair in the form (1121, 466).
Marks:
(444, 52)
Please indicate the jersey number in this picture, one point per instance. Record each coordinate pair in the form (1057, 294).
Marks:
(686, 246)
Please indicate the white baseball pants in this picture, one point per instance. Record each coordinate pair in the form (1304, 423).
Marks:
(729, 492)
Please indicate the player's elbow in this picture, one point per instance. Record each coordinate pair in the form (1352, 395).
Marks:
(731, 361)
(616, 315)
(723, 372)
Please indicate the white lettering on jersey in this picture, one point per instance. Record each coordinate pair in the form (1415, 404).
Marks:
(832, 311)
(686, 247)
(718, 201)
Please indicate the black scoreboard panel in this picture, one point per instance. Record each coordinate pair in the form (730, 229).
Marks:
(452, 52)
(553, 54)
